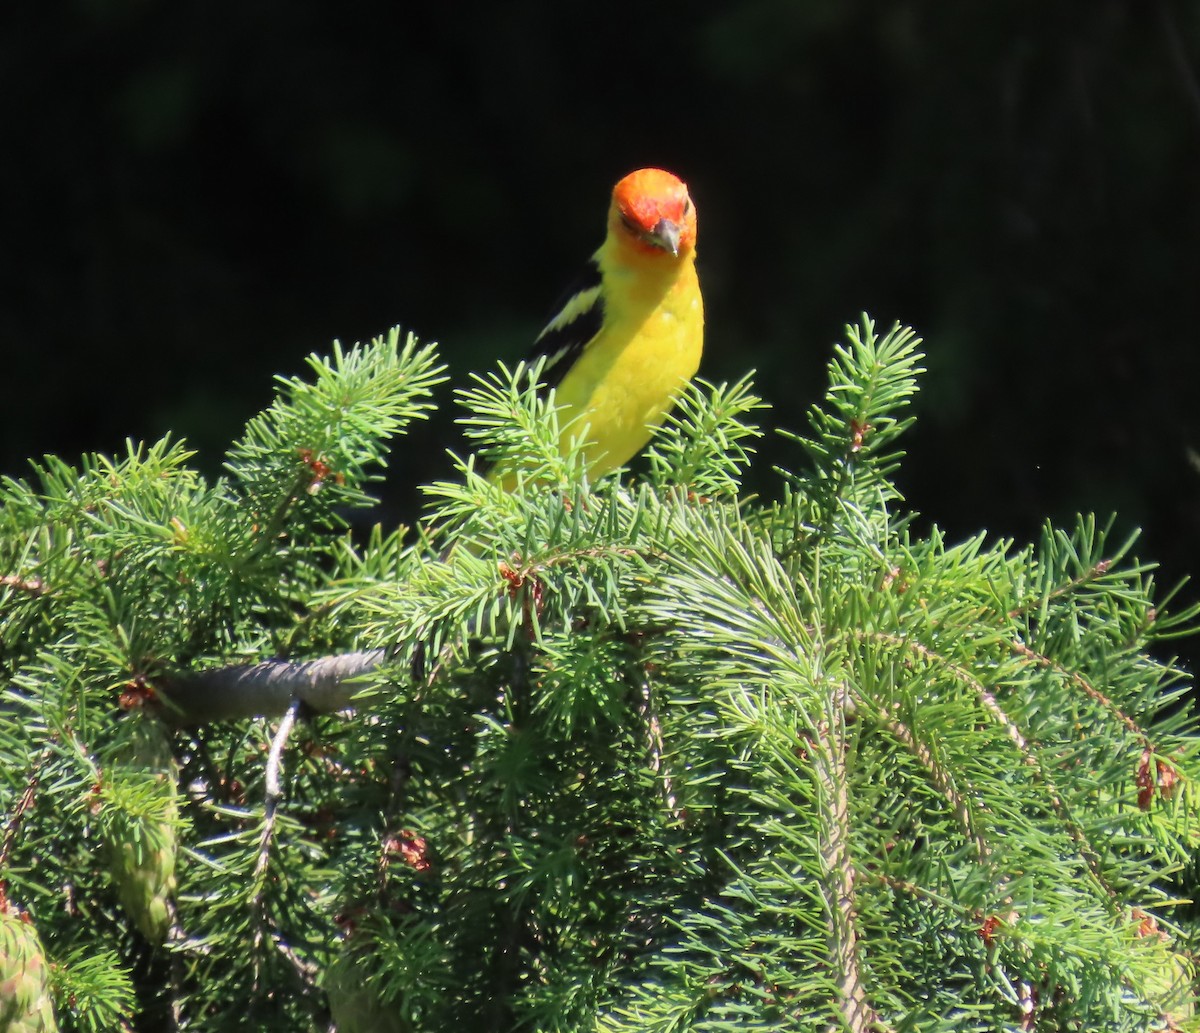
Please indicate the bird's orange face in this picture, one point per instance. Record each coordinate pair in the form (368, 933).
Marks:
(651, 210)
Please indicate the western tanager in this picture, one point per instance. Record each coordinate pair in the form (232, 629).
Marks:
(628, 334)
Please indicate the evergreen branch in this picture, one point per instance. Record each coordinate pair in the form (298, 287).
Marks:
(1097, 570)
(323, 436)
(990, 927)
(515, 426)
(703, 443)
(1078, 680)
(985, 697)
(654, 749)
(1029, 756)
(270, 529)
(871, 379)
(266, 689)
(941, 780)
(911, 889)
(827, 750)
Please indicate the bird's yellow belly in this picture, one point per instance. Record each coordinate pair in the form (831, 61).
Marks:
(619, 392)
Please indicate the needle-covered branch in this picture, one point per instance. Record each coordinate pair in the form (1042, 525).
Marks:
(646, 753)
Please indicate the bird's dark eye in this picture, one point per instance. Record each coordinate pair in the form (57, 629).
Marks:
(687, 205)
(629, 224)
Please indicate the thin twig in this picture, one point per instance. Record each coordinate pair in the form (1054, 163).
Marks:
(274, 791)
(655, 748)
(1077, 679)
(273, 794)
(943, 782)
(23, 805)
(1096, 570)
(962, 675)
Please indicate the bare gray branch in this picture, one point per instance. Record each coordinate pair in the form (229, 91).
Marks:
(267, 689)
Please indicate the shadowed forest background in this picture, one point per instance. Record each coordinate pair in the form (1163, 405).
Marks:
(194, 197)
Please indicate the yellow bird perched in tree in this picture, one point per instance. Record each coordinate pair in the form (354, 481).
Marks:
(627, 335)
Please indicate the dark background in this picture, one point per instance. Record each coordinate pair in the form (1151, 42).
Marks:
(195, 196)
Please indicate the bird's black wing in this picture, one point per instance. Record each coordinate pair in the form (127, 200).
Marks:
(577, 319)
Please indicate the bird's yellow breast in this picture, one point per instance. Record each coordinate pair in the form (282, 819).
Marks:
(624, 383)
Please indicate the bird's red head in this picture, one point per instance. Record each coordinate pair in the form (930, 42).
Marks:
(652, 211)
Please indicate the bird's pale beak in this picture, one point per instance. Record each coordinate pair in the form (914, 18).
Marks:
(665, 235)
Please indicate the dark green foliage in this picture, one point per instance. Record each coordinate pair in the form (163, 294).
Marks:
(642, 756)
(116, 570)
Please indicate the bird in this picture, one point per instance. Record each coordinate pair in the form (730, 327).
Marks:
(627, 335)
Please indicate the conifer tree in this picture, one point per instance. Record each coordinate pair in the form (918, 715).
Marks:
(646, 754)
